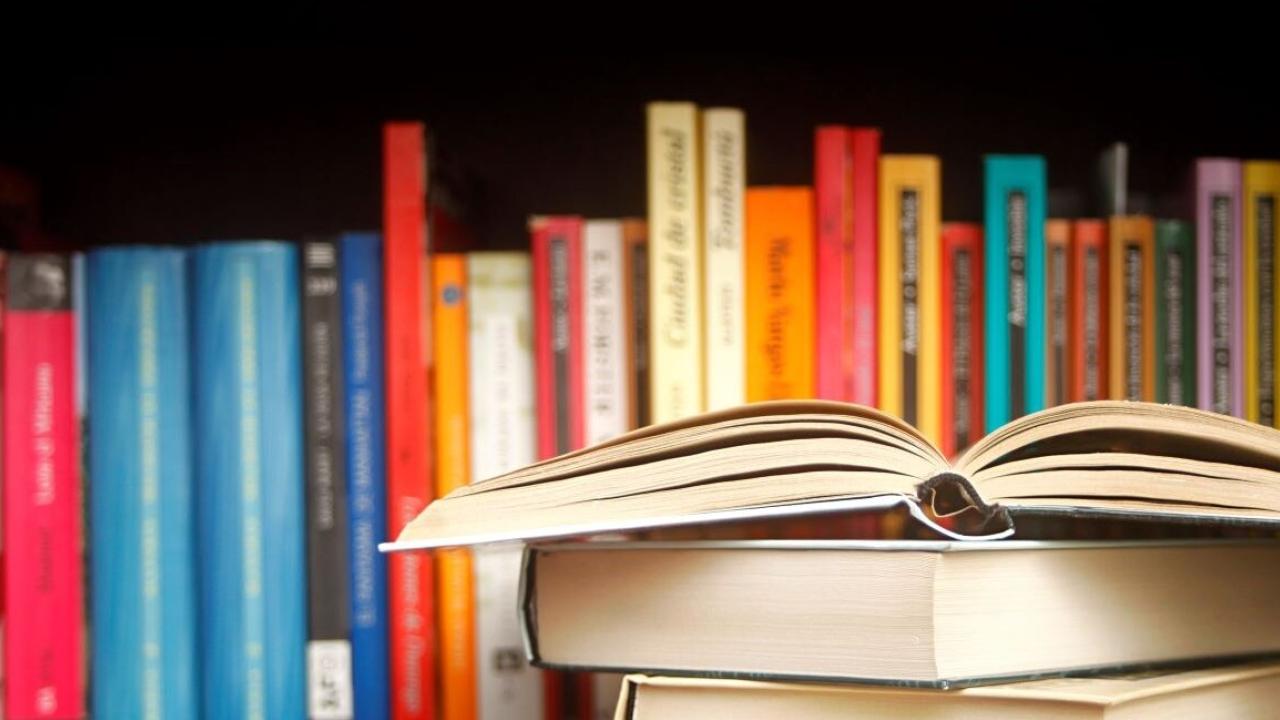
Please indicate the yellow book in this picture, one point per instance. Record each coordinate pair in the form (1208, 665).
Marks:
(780, 310)
(675, 262)
(910, 273)
(1132, 290)
(1261, 301)
(724, 164)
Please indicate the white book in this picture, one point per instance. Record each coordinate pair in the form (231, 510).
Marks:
(607, 413)
(502, 438)
(724, 163)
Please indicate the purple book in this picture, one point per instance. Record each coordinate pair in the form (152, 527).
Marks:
(1220, 297)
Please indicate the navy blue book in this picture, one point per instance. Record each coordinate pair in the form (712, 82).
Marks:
(249, 474)
(142, 499)
(360, 260)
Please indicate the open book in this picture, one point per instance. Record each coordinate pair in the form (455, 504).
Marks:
(789, 458)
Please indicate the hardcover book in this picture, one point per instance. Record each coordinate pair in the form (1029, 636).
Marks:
(1220, 301)
(1175, 328)
(1261, 245)
(780, 314)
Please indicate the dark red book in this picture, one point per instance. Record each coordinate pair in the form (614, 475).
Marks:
(833, 277)
(866, 173)
(962, 321)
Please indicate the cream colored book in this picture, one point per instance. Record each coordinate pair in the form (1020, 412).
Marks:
(724, 172)
(675, 262)
(1240, 692)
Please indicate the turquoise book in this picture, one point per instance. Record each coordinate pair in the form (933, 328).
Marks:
(1014, 209)
(249, 475)
(143, 645)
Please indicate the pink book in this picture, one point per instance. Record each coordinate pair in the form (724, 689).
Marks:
(866, 161)
(43, 654)
(1220, 295)
(833, 195)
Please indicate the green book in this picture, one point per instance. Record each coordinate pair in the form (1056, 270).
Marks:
(1175, 313)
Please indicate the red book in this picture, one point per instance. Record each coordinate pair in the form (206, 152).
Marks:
(43, 572)
(866, 161)
(1087, 310)
(962, 321)
(409, 487)
(833, 195)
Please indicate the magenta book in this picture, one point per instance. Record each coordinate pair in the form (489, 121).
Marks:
(1220, 297)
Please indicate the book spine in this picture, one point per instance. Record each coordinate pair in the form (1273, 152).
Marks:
(636, 274)
(144, 590)
(250, 481)
(1057, 236)
(780, 317)
(1015, 329)
(1132, 321)
(43, 575)
(724, 161)
(865, 287)
(411, 575)
(329, 689)
(503, 438)
(360, 267)
(1219, 311)
(1261, 240)
(557, 271)
(833, 194)
(1175, 328)
(1113, 180)
(675, 262)
(1089, 310)
(606, 408)
(961, 344)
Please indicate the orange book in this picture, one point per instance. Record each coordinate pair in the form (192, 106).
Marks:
(1087, 311)
(780, 301)
(455, 587)
(1057, 376)
(1132, 342)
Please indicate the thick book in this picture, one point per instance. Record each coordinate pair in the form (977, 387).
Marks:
(724, 176)
(1240, 691)
(329, 684)
(1057, 248)
(1261, 244)
(606, 365)
(924, 613)
(143, 594)
(1220, 300)
(780, 310)
(1132, 361)
(1015, 201)
(364, 409)
(1088, 311)
(43, 566)
(1175, 328)
(405, 289)
(251, 502)
(961, 317)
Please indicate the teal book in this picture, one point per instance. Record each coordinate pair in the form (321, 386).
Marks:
(1015, 190)
(1175, 313)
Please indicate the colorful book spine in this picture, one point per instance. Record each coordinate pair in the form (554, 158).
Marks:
(635, 240)
(865, 144)
(961, 319)
(1132, 347)
(411, 575)
(833, 197)
(1088, 311)
(1057, 240)
(1175, 328)
(43, 571)
(503, 433)
(1219, 267)
(1015, 198)
(143, 642)
(364, 410)
(329, 685)
(250, 481)
(675, 262)
(606, 405)
(1261, 243)
(780, 315)
(455, 588)
(724, 164)
(910, 268)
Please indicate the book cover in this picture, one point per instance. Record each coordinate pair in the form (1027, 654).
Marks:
(1015, 288)
(780, 312)
(1175, 329)
(675, 262)
(961, 343)
(364, 410)
(833, 275)
(329, 683)
(606, 408)
(1131, 347)
(503, 438)
(635, 239)
(1220, 299)
(250, 480)
(866, 233)
(1057, 237)
(406, 280)
(724, 164)
(1088, 310)
(557, 322)
(143, 641)
(910, 248)
(43, 568)
(1261, 240)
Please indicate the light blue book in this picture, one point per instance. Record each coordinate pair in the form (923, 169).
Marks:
(143, 646)
(1015, 287)
(249, 465)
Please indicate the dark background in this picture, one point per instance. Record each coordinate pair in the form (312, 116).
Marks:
(163, 146)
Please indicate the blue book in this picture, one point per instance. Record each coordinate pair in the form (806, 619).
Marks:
(249, 474)
(1015, 287)
(361, 282)
(142, 499)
